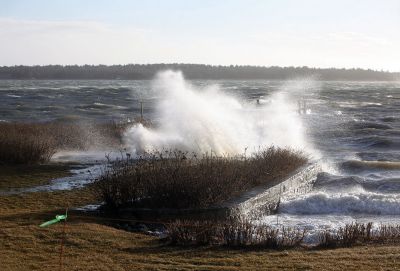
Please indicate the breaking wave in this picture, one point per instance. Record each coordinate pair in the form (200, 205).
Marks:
(356, 202)
(204, 119)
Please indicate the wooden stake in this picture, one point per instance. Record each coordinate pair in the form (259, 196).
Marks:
(63, 240)
(141, 111)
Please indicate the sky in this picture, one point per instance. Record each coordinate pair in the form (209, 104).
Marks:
(314, 33)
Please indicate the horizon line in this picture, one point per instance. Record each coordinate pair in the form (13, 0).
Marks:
(202, 64)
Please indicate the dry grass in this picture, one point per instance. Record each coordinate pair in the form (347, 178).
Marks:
(89, 246)
(29, 143)
(93, 246)
(175, 179)
(20, 176)
(37, 205)
(29, 176)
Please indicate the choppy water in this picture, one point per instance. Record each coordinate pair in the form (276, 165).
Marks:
(354, 125)
(48, 100)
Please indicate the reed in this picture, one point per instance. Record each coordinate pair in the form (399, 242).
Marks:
(30, 143)
(25, 143)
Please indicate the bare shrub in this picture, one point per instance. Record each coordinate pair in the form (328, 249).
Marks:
(243, 233)
(388, 234)
(349, 235)
(234, 233)
(328, 239)
(176, 179)
(189, 232)
(238, 233)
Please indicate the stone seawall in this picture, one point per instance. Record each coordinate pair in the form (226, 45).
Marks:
(264, 201)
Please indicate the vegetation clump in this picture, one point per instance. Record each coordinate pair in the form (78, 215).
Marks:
(234, 233)
(176, 179)
(358, 233)
(25, 143)
(32, 143)
(243, 233)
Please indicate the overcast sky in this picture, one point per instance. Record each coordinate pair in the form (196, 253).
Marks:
(316, 33)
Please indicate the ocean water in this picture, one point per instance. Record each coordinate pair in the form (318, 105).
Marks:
(354, 127)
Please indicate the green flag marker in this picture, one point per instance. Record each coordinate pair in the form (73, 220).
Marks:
(55, 220)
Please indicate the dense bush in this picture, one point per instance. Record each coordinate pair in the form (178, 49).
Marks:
(27, 143)
(176, 179)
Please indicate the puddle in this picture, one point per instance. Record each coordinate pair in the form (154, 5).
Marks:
(90, 166)
(89, 208)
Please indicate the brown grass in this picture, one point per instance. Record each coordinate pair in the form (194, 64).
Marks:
(20, 176)
(96, 246)
(29, 143)
(175, 179)
(91, 246)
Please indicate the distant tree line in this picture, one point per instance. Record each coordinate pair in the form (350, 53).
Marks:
(191, 71)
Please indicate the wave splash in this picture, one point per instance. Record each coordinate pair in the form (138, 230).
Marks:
(204, 119)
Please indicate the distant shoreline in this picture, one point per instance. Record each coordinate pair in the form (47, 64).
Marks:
(221, 79)
(191, 72)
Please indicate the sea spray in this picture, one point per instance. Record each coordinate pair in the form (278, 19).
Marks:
(206, 119)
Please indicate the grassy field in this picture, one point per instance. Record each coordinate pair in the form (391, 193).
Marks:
(96, 246)
(21, 176)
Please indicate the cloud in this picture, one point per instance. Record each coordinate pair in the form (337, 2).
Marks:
(31, 42)
(68, 42)
(358, 38)
(13, 25)
(330, 49)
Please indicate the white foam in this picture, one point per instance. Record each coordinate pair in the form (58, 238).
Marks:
(355, 201)
(85, 157)
(205, 119)
(13, 96)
